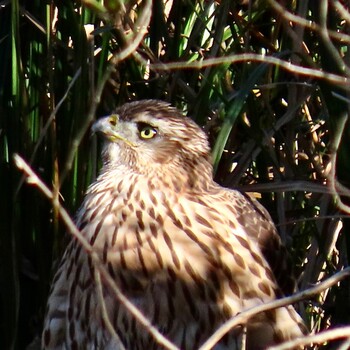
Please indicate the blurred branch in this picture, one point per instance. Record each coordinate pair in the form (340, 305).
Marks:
(324, 32)
(282, 11)
(342, 11)
(294, 185)
(320, 338)
(336, 187)
(105, 316)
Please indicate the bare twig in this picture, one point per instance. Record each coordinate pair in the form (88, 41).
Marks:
(334, 185)
(244, 316)
(236, 58)
(33, 179)
(344, 38)
(320, 338)
(324, 33)
(105, 312)
(342, 11)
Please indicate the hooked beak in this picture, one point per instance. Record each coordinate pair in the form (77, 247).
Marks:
(108, 127)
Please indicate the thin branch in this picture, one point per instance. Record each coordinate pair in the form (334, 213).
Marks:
(313, 218)
(334, 185)
(105, 316)
(320, 338)
(344, 38)
(287, 186)
(324, 33)
(342, 11)
(236, 58)
(244, 316)
(33, 179)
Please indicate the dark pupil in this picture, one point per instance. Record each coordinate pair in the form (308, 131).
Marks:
(145, 128)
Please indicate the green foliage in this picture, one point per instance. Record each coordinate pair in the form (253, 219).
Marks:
(236, 67)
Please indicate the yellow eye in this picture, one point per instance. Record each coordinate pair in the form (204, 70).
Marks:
(147, 131)
(113, 119)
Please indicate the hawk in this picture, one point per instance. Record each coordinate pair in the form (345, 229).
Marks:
(188, 253)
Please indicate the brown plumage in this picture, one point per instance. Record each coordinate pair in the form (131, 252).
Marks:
(187, 252)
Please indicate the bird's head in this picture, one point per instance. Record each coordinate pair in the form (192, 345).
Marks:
(151, 135)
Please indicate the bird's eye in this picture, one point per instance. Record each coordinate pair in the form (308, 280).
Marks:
(147, 131)
(113, 119)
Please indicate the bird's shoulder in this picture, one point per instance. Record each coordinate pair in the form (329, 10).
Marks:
(242, 209)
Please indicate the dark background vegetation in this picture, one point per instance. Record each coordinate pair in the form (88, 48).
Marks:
(272, 126)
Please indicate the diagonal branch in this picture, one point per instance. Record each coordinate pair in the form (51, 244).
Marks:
(244, 316)
(33, 179)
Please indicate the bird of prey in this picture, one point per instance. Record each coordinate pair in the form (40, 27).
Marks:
(188, 253)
